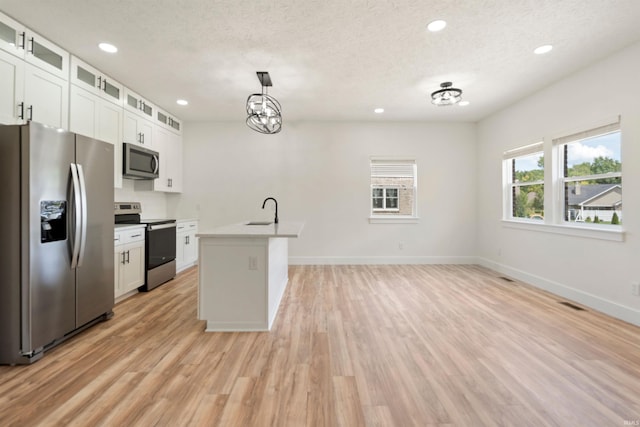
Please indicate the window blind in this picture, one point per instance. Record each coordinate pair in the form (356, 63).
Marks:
(393, 170)
(600, 130)
(523, 151)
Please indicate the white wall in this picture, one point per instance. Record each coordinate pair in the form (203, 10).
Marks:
(319, 173)
(595, 272)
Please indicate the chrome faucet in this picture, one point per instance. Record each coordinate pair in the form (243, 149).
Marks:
(274, 201)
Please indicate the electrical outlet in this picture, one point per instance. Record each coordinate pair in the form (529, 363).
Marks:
(635, 288)
(253, 263)
(401, 246)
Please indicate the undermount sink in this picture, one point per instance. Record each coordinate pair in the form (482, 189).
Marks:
(259, 223)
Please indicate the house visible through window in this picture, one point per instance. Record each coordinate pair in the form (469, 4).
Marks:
(524, 170)
(393, 188)
(592, 176)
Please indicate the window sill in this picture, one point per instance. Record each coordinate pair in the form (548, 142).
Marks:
(615, 233)
(394, 220)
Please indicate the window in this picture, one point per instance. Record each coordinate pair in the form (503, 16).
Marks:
(385, 199)
(393, 188)
(524, 190)
(591, 178)
(582, 175)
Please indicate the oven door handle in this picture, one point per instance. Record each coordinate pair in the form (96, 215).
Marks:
(161, 226)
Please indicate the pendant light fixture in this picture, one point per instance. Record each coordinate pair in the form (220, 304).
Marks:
(446, 95)
(264, 113)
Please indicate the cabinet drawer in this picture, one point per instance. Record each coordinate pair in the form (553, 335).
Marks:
(122, 237)
(183, 226)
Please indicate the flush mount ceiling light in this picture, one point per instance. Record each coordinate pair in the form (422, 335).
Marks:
(437, 25)
(263, 110)
(182, 102)
(446, 95)
(108, 47)
(541, 50)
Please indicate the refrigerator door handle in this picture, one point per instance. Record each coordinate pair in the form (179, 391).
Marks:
(83, 221)
(77, 214)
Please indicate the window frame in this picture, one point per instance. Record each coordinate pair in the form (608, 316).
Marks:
(391, 215)
(508, 180)
(385, 197)
(559, 145)
(554, 199)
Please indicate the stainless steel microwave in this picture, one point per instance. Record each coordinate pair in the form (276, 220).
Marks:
(139, 162)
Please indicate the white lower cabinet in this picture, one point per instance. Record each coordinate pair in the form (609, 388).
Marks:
(186, 244)
(128, 260)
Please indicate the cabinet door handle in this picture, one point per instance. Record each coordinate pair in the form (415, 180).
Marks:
(30, 50)
(21, 114)
(104, 84)
(140, 135)
(186, 240)
(99, 82)
(30, 109)
(128, 259)
(122, 262)
(136, 235)
(23, 36)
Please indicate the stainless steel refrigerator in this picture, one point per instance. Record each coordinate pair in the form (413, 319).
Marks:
(56, 238)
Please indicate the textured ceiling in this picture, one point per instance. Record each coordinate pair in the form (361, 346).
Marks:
(334, 59)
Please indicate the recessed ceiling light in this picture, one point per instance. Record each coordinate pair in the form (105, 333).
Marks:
(108, 47)
(182, 102)
(436, 25)
(463, 103)
(543, 49)
(379, 110)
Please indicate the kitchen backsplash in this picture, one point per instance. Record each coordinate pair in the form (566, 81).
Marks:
(154, 204)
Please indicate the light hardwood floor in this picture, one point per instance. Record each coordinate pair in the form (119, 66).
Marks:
(433, 345)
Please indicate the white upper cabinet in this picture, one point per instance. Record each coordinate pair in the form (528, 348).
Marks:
(85, 76)
(95, 117)
(18, 40)
(135, 103)
(46, 55)
(12, 36)
(138, 130)
(39, 75)
(95, 109)
(46, 98)
(11, 89)
(165, 120)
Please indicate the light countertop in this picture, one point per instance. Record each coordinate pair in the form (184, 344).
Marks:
(282, 229)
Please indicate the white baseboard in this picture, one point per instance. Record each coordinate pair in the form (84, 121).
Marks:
(610, 308)
(382, 260)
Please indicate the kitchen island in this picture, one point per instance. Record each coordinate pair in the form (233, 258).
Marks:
(243, 274)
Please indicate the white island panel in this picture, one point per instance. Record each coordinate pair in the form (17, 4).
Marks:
(243, 275)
